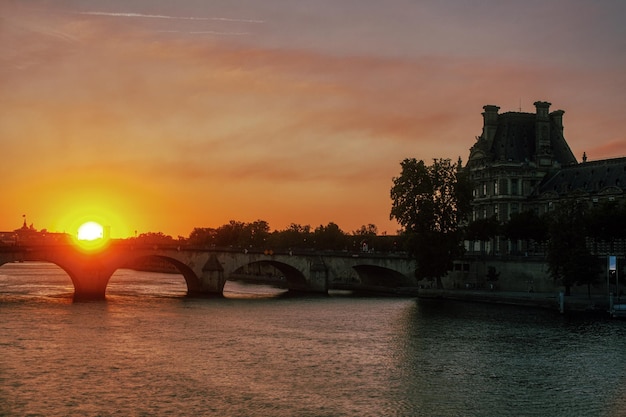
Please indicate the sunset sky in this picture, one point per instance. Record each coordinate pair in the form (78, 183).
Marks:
(162, 116)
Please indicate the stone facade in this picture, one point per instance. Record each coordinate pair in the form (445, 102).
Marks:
(512, 156)
(522, 274)
(521, 162)
(595, 182)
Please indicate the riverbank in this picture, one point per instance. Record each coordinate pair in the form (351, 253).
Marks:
(578, 303)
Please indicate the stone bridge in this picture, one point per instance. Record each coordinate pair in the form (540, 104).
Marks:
(206, 270)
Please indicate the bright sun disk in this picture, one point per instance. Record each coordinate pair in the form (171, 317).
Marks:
(90, 231)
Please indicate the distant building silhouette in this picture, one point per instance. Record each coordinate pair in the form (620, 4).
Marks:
(595, 181)
(522, 162)
(29, 235)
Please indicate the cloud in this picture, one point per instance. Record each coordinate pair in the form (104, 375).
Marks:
(240, 104)
(181, 25)
(243, 127)
(156, 16)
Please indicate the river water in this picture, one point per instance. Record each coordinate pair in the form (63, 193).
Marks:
(150, 351)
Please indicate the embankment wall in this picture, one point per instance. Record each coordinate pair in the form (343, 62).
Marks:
(526, 274)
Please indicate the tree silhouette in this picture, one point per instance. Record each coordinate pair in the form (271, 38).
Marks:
(429, 202)
(569, 260)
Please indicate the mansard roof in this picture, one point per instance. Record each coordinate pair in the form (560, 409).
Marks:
(515, 140)
(604, 177)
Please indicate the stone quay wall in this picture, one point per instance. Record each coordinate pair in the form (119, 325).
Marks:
(518, 274)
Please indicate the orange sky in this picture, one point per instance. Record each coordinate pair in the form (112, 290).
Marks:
(164, 116)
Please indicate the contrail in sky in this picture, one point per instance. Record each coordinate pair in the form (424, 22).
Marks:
(205, 32)
(159, 16)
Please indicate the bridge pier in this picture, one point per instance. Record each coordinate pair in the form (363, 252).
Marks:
(212, 280)
(318, 277)
(89, 293)
(90, 284)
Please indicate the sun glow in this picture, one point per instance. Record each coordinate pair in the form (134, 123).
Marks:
(90, 231)
(108, 210)
(91, 235)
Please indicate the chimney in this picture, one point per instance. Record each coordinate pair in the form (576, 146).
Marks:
(543, 147)
(557, 117)
(490, 115)
(490, 122)
(543, 107)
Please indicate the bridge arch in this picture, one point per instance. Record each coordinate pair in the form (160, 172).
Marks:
(206, 270)
(68, 272)
(293, 276)
(75, 268)
(194, 285)
(378, 276)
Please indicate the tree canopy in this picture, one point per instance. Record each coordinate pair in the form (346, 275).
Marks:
(607, 223)
(527, 226)
(257, 236)
(569, 259)
(483, 229)
(429, 202)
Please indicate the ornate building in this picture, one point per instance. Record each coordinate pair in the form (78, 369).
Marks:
(595, 182)
(522, 162)
(512, 156)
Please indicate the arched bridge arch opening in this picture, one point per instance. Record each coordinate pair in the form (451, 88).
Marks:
(35, 279)
(376, 276)
(154, 274)
(269, 272)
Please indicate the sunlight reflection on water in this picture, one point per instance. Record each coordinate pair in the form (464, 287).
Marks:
(149, 350)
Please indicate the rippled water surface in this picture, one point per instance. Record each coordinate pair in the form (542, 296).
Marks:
(149, 350)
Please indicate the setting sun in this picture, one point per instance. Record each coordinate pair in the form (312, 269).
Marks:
(92, 235)
(90, 231)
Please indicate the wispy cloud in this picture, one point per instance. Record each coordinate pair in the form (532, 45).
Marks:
(205, 32)
(160, 16)
(256, 127)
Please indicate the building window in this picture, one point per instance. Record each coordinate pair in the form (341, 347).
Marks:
(530, 188)
(504, 211)
(514, 186)
(495, 187)
(504, 186)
